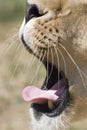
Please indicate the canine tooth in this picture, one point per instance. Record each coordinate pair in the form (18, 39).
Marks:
(50, 105)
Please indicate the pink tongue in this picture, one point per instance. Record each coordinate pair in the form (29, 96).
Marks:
(36, 95)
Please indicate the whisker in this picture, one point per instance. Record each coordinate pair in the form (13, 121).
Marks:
(32, 59)
(48, 77)
(14, 59)
(11, 38)
(38, 67)
(57, 61)
(29, 65)
(63, 61)
(47, 66)
(8, 46)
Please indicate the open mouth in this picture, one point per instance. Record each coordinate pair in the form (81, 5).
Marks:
(55, 80)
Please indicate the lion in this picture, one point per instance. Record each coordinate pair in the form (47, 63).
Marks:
(59, 41)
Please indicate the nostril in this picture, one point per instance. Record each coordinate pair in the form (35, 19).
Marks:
(32, 11)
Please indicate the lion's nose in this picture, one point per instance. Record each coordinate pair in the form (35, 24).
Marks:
(32, 11)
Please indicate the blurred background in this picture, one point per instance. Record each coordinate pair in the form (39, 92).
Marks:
(17, 70)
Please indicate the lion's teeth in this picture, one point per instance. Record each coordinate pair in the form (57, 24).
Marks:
(51, 105)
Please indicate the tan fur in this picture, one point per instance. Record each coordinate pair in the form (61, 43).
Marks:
(58, 35)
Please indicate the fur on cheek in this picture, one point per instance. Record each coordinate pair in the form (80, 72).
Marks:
(80, 46)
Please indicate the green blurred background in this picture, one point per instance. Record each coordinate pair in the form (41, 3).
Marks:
(11, 10)
(17, 68)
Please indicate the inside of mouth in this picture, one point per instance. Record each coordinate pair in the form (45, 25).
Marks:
(53, 87)
(55, 80)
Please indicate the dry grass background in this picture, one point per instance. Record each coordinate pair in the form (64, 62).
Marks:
(17, 70)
